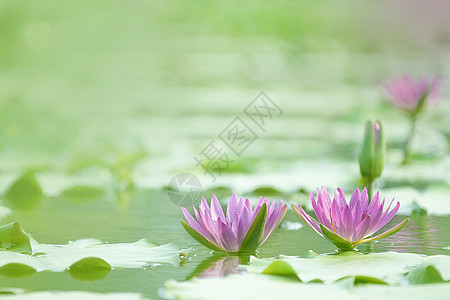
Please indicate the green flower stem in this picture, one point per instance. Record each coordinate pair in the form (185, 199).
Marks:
(409, 140)
(370, 185)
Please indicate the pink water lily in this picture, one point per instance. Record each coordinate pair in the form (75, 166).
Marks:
(408, 94)
(349, 224)
(243, 229)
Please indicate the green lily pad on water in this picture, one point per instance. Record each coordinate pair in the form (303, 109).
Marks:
(16, 270)
(89, 269)
(253, 286)
(441, 262)
(14, 238)
(388, 266)
(83, 192)
(281, 268)
(58, 258)
(426, 274)
(25, 193)
(73, 295)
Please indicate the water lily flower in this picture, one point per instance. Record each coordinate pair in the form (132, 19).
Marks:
(410, 95)
(349, 224)
(242, 230)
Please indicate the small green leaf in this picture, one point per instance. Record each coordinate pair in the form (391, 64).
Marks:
(361, 279)
(336, 239)
(25, 193)
(391, 231)
(16, 270)
(89, 269)
(14, 238)
(82, 192)
(281, 268)
(421, 275)
(198, 237)
(255, 233)
(267, 191)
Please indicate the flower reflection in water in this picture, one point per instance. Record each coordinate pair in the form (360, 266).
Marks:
(220, 266)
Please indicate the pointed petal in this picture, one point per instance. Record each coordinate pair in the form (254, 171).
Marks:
(216, 209)
(307, 219)
(364, 199)
(228, 238)
(193, 223)
(347, 223)
(355, 198)
(270, 228)
(232, 209)
(387, 216)
(336, 217)
(361, 230)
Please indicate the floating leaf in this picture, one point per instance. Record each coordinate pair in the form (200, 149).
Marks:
(267, 191)
(14, 238)
(25, 193)
(388, 266)
(426, 274)
(58, 258)
(73, 295)
(253, 286)
(281, 268)
(358, 280)
(83, 192)
(89, 269)
(441, 262)
(248, 286)
(16, 270)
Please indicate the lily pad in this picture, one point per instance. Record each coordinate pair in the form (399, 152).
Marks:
(267, 191)
(388, 266)
(248, 286)
(358, 280)
(89, 269)
(426, 274)
(253, 286)
(16, 270)
(58, 258)
(14, 238)
(25, 193)
(441, 262)
(281, 268)
(82, 192)
(73, 295)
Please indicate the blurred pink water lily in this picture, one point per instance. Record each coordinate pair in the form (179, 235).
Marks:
(242, 230)
(349, 224)
(411, 95)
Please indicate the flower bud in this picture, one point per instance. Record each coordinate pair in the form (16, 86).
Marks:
(373, 151)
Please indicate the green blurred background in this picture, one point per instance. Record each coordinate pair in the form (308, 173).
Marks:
(104, 101)
(88, 80)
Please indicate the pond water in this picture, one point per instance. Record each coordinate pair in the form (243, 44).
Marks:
(150, 214)
(104, 102)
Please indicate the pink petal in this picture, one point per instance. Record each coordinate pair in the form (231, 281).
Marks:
(216, 210)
